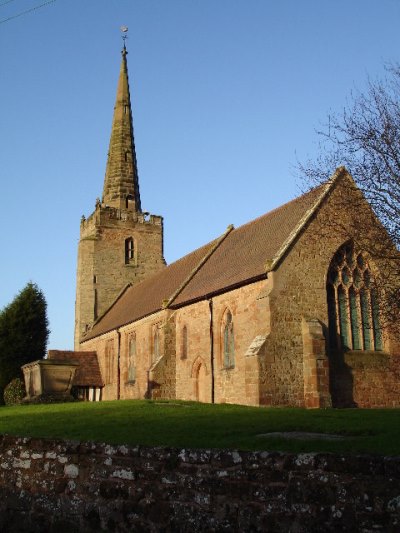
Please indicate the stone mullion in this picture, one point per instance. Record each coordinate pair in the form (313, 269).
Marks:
(344, 317)
(354, 318)
(337, 313)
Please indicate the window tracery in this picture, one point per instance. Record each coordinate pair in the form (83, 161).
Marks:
(353, 308)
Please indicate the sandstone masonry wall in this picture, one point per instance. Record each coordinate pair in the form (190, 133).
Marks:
(53, 485)
(249, 308)
(141, 386)
(298, 295)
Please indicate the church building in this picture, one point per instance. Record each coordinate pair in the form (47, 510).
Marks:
(278, 312)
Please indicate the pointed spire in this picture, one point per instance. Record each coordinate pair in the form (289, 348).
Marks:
(121, 182)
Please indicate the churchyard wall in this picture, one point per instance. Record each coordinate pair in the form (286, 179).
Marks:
(53, 485)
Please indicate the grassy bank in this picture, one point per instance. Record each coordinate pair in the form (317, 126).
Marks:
(189, 424)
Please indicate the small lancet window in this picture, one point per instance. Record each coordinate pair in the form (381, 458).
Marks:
(228, 341)
(184, 350)
(129, 251)
(109, 362)
(132, 358)
(353, 307)
(156, 344)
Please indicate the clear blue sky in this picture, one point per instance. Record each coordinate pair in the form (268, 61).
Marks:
(226, 96)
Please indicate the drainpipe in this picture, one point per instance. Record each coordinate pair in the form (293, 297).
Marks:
(119, 366)
(210, 305)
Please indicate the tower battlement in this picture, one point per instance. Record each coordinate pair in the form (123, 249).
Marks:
(113, 216)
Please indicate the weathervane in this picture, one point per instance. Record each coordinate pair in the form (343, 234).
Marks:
(124, 30)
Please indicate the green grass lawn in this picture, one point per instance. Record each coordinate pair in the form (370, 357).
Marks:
(190, 424)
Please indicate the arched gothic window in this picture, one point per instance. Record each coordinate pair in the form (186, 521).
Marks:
(184, 350)
(352, 303)
(132, 358)
(129, 251)
(228, 341)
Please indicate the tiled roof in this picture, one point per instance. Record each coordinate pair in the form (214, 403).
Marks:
(88, 372)
(243, 255)
(236, 258)
(147, 297)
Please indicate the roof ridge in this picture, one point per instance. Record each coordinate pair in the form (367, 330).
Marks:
(198, 266)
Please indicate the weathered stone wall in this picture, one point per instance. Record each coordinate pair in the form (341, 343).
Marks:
(145, 382)
(52, 485)
(193, 371)
(249, 308)
(298, 295)
(367, 379)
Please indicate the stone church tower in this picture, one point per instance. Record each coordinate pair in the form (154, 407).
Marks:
(119, 243)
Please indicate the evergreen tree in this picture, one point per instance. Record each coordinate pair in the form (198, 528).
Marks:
(23, 333)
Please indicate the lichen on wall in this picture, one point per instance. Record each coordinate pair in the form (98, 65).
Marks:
(49, 485)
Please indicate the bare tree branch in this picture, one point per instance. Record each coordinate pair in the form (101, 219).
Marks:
(365, 138)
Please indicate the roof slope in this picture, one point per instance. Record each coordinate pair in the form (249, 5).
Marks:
(148, 296)
(244, 253)
(88, 372)
(236, 258)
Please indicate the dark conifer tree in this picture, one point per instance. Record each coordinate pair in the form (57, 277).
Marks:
(23, 333)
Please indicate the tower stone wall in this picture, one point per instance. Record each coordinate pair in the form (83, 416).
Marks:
(103, 268)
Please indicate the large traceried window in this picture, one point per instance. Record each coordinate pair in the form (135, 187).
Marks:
(228, 341)
(132, 358)
(352, 303)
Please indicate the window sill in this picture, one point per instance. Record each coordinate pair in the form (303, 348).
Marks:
(231, 367)
(366, 358)
(130, 383)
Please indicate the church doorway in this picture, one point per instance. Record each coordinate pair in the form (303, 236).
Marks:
(201, 383)
(199, 380)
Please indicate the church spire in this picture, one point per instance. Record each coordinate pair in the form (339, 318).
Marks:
(121, 182)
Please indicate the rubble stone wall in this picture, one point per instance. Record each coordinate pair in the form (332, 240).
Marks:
(54, 485)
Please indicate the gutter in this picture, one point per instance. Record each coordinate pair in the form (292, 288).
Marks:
(119, 365)
(210, 306)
